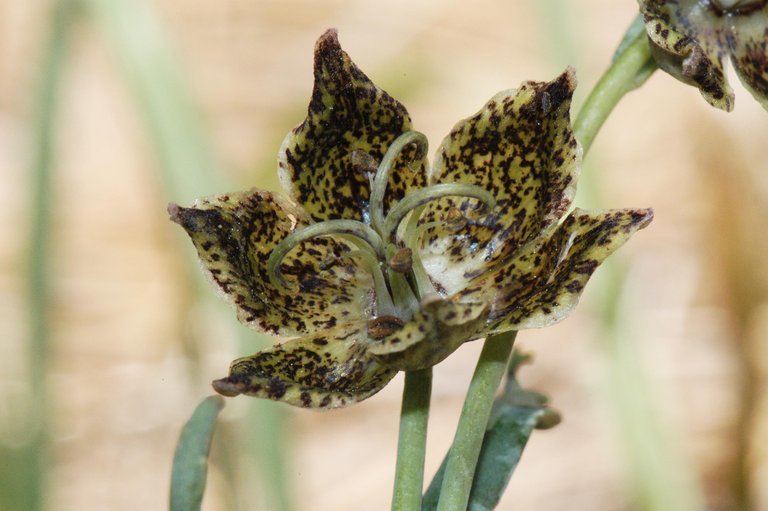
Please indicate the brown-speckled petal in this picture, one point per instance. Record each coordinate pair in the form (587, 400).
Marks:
(688, 41)
(522, 149)
(325, 163)
(577, 248)
(435, 331)
(234, 235)
(749, 51)
(326, 370)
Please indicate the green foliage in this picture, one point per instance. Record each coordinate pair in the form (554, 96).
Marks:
(515, 415)
(190, 463)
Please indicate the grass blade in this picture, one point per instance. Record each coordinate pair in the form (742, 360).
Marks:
(190, 463)
(24, 449)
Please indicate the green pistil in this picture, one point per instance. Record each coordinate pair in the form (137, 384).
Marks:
(384, 304)
(406, 301)
(428, 194)
(423, 283)
(357, 230)
(379, 187)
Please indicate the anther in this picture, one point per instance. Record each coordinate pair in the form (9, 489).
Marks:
(363, 162)
(401, 261)
(455, 220)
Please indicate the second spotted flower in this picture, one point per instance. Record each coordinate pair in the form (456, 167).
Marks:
(691, 39)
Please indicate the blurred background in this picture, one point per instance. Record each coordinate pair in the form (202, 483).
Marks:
(109, 338)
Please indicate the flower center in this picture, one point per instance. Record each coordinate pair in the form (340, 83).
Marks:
(386, 248)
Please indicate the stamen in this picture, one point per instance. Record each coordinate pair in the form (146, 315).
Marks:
(401, 261)
(363, 161)
(455, 220)
(353, 228)
(423, 283)
(407, 303)
(384, 304)
(425, 195)
(379, 187)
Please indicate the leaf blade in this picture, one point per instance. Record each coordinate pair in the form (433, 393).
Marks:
(190, 462)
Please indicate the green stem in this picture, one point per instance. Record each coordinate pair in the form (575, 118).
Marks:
(25, 459)
(412, 443)
(462, 458)
(631, 67)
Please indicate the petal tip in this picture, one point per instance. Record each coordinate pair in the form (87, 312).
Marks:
(226, 387)
(569, 75)
(329, 38)
(643, 217)
(174, 212)
(192, 219)
(561, 89)
(327, 47)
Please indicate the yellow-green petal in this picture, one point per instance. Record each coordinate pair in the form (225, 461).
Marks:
(326, 162)
(749, 51)
(435, 331)
(330, 369)
(577, 248)
(688, 42)
(521, 148)
(234, 235)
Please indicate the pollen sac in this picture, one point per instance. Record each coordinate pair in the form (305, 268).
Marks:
(363, 162)
(455, 220)
(401, 261)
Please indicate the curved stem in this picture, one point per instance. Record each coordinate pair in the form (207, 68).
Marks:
(430, 193)
(345, 227)
(462, 458)
(412, 442)
(631, 67)
(423, 283)
(379, 187)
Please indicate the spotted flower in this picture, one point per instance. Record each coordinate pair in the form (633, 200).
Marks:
(691, 38)
(377, 262)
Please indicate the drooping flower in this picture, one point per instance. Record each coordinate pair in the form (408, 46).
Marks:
(377, 262)
(691, 38)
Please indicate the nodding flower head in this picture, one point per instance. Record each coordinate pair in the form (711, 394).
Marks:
(691, 38)
(378, 262)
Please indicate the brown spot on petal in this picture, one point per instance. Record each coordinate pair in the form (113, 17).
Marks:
(384, 326)
(348, 117)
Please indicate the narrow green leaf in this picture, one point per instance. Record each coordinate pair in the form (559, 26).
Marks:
(190, 463)
(515, 415)
(26, 418)
(187, 163)
(502, 449)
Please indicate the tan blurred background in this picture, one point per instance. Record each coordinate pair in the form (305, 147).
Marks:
(691, 314)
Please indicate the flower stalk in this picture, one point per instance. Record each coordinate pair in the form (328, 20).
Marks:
(462, 458)
(631, 67)
(412, 440)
